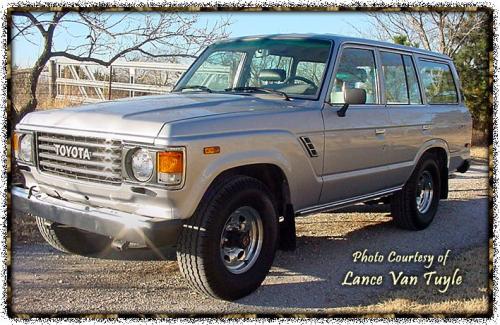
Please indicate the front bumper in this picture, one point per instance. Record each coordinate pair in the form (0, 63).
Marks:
(113, 223)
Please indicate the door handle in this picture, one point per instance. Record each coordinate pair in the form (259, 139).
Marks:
(426, 127)
(379, 131)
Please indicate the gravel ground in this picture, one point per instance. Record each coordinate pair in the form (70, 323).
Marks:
(308, 280)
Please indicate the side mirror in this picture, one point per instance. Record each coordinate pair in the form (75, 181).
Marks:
(352, 96)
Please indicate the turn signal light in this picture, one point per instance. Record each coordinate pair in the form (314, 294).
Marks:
(170, 162)
(211, 150)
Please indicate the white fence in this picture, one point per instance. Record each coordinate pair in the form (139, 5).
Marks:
(91, 82)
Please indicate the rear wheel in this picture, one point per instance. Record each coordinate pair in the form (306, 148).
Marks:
(227, 247)
(415, 206)
(71, 240)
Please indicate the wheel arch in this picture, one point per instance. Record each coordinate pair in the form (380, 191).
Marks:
(269, 174)
(438, 148)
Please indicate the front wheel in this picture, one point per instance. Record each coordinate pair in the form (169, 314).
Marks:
(415, 206)
(227, 247)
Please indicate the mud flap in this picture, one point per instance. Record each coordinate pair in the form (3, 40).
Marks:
(288, 240)
(444, 183)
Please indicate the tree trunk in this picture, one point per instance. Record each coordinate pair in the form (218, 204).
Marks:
(30, 106)
(37, 69)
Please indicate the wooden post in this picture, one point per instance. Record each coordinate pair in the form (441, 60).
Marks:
(131, 80)
(52, 79)
(109, 85)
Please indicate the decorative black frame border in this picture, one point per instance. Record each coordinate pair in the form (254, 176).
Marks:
(401, 7)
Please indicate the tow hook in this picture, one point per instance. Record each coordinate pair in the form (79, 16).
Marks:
(120, 245)
(31, 190)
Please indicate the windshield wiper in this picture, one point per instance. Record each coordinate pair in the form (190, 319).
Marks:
(203, 88)
(259, 89)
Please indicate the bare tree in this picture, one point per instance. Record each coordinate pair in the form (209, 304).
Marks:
(440, 31)
(104, 37)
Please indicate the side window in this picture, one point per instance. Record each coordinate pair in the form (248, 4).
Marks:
(396, 88)
(400, 80)
(411, 79)
(438, 83)
(356, 69)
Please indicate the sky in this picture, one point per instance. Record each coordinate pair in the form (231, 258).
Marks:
(24, 53)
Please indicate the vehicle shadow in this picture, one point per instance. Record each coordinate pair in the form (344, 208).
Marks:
(312, 276)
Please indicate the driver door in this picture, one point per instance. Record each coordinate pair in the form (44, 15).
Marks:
(355, 145)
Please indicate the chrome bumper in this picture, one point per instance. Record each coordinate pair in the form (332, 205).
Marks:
(113, 223)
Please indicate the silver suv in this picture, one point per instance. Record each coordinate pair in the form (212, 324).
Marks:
(258, 131)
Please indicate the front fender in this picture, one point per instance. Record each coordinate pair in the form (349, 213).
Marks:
(238, 159)
(275, 147)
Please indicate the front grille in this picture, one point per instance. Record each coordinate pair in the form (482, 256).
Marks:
(81, 158)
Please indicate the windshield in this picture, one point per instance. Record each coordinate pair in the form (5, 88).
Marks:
(295, 67)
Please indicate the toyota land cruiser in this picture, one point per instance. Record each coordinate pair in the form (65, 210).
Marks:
(258, 131)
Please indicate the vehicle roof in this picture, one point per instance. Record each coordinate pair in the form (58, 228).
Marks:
(342, 39)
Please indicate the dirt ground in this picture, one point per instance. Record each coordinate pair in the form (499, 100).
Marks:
(308, 280)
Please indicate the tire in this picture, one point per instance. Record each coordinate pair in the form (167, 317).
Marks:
(71, 240)
(405, 209)
(209, 234)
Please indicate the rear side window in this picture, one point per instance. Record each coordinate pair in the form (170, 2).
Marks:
(401, 85)
(412, 81)
(438, 82)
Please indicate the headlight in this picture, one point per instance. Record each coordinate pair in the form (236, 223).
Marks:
(23, 146)
(142, 165)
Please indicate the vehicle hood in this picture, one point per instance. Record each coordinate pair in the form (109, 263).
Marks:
(145, 116)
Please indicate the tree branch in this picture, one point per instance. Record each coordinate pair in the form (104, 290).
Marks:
(33, 20)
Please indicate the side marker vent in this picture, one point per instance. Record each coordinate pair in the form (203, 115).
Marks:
(311, 150)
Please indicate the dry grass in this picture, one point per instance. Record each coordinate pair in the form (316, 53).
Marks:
(49, 103)
(483, 154)
(479, 152)
(46, 103)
